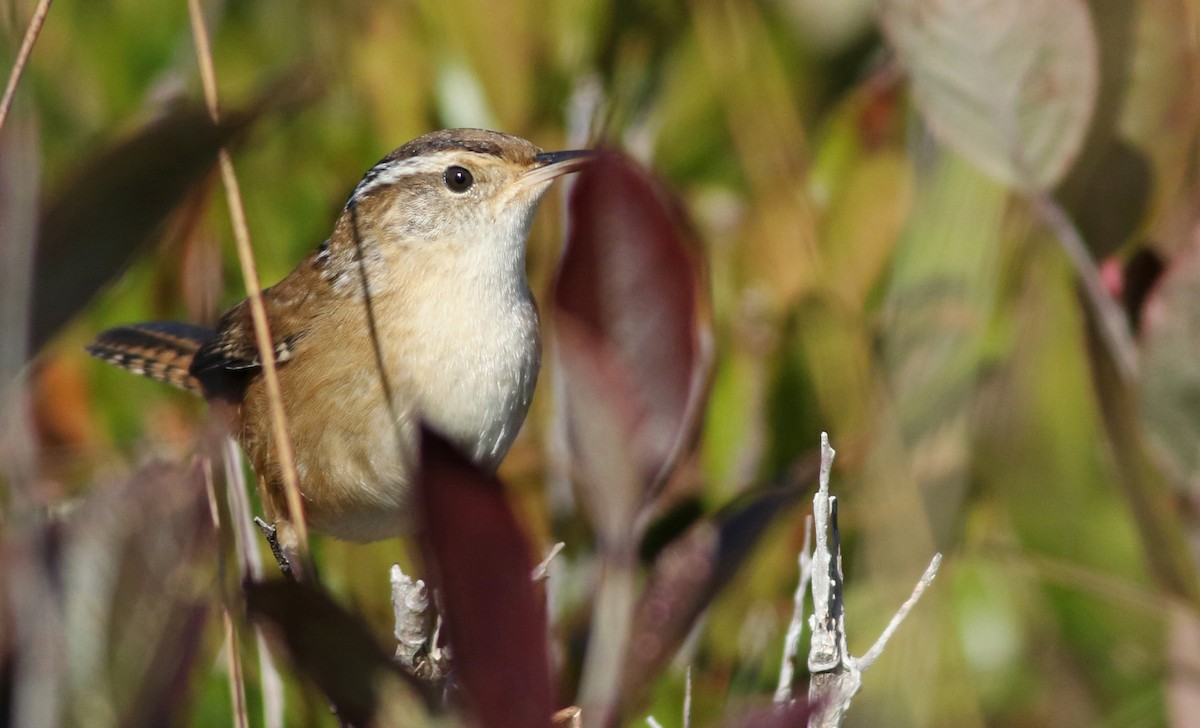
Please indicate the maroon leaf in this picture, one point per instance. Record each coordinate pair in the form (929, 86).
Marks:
(793, 715)
(121, 198)
(1136, 280)
(164, 692)
(115, 203)
(331, 646)
(480, 565)
(632, 336)
(688, 575)
(602, 422)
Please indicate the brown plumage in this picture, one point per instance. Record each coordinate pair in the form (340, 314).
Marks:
(161, 350)
(418, 294)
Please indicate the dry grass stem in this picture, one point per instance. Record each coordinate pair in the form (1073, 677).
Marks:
(18, 67)
(258, 312)
(237, 683)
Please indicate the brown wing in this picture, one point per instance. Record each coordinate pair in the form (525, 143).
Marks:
(230, 360)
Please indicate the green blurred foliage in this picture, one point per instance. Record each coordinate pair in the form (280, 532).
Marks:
(866, 280)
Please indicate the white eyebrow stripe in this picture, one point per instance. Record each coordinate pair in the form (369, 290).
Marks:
(390, 172)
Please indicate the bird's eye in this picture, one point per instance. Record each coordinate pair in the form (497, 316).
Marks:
(458, 179)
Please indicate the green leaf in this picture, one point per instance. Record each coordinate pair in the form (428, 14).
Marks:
(1010, 84)
(1170, 381)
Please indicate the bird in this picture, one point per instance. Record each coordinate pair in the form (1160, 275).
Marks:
(415, 311)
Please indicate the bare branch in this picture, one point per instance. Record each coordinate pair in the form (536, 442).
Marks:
(1114, 327)
(926, 579)
(687, 699)
(541, 572)
(410, 604)
(791, 644)
(416, 630)
(836, 675)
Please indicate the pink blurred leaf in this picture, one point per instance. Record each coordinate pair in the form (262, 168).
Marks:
(94, 588)
(1183, 664)
(151, 530)
(480, 565)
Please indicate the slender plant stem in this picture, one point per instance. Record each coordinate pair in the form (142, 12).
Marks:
(237, 678)
(926, 579)
(237, 682)
(14, 76)
(1112, 323)
(258, 311)
(270, 683)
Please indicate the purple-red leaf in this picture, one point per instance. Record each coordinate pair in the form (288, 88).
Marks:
(602, 422)
(120, 198)
(116, 202)
(688, 574)
(632, 336)
(480, 564)
(332, 647)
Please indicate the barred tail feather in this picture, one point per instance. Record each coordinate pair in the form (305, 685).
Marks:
(161, 350)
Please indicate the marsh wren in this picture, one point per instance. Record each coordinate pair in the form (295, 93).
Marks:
(415, 309)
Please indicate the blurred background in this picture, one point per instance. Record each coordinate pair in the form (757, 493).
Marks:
(874, 186)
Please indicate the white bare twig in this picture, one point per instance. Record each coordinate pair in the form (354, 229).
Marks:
(687, 703)
(571, 717)
(791, 644)
(836, 675)
(417, 627)
(926, 579)
(541, 572)
(410, 604)
(687, 699)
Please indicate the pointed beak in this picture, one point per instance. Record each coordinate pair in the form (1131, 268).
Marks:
(556, 164)
(579, 156)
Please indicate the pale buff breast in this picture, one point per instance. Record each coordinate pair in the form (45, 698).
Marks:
(472, 379)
